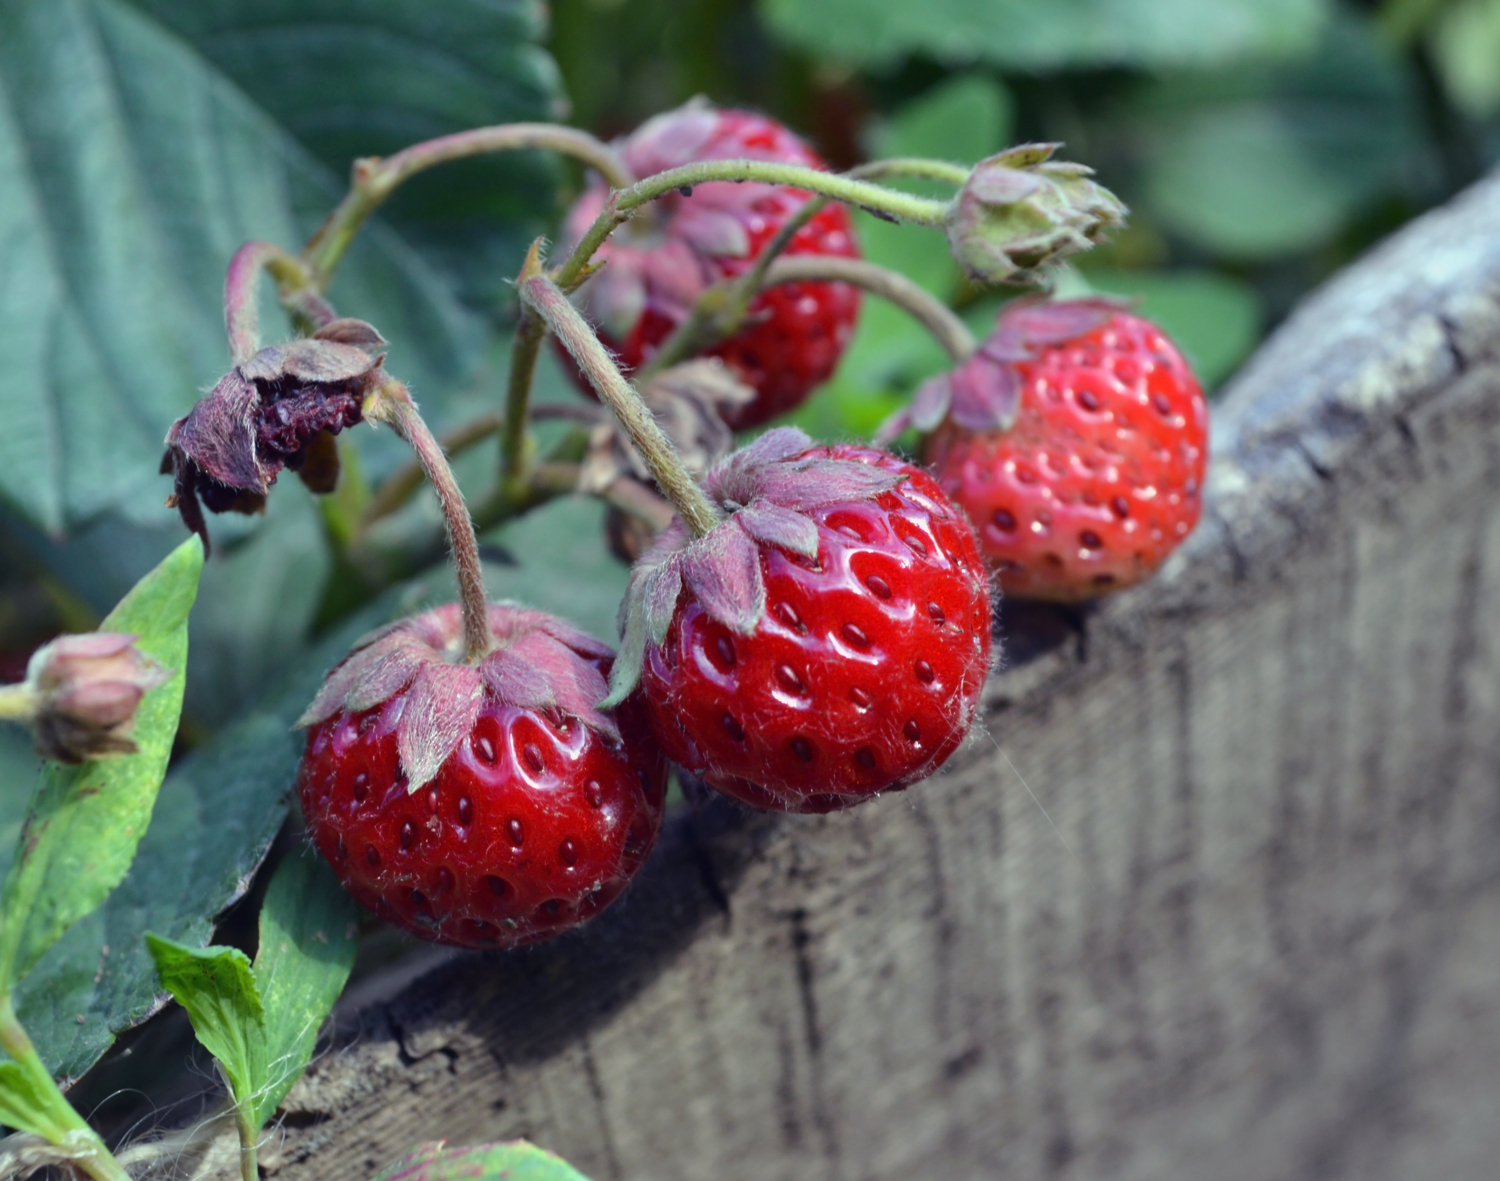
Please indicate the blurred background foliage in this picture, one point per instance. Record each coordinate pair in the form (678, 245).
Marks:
(1261, 144)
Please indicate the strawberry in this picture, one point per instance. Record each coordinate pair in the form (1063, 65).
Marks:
(1076, 439)
(481, 805)
(659, 263)
(825, 642)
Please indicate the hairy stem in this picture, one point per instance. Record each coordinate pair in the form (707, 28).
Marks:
(720, 311)
(249, 1133)
(569, 326)
(18, 703)
(924, 307)
(64, 1127)
(391, 404)
(242, 313)
(376, 179)
(514, 436)
(912, 166)
(852, 191)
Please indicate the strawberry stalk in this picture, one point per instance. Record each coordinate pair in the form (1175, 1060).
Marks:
(53, 1117)
(549, 302)
(720, 311)
(294, 283)
(391, 404)
(375, 179)
(623, 203)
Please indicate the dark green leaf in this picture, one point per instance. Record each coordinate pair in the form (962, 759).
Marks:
(217, 814)
(1044, 35)
(1261, 162)
(350, 78)
(515, 1161)
(84, 823)
(130, 170)
(216, 987)
(308, 937)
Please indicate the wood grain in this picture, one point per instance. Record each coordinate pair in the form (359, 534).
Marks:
(1255, 934)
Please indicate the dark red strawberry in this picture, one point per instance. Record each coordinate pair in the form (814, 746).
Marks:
(483, 805)
(1076, 438)
(826, 642)
(660, 262)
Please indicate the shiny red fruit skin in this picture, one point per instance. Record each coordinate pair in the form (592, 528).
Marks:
(529, 828)
(805, 715)
(1101, 475)
(797, 331)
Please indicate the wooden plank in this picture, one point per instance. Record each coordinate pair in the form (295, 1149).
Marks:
(1254, 934)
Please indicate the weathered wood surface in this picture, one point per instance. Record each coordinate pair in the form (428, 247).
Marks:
(1263, 940)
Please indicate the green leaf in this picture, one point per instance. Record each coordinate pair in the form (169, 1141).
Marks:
(1262, 162)
(216, 987)
(1214, 319)
(217, 814)
(130, 170)
(1047, 35)
(513, 1161)
(85, 822)
(308, 937)
(261, 1021)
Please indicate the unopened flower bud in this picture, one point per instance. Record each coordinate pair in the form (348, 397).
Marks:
(85, 691)
(1021, 209)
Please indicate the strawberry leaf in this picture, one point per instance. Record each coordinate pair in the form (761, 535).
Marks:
(141, 142)
(85, 822)
(308, 937)
(261, 1020)
(217, 988)
(515, 1161)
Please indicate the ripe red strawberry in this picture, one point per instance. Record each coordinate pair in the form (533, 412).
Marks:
(660, 262)
(826, 642)
(483, 805)
(1076, 438)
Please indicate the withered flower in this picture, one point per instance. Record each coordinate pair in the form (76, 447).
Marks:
(278, 409)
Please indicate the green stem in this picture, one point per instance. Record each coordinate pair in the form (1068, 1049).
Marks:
(872, 197)
(924, 307)
(524, 353)
(720, 311)
(249, 1133)
(569, 326)
(912, 166)
(18, 703)
(392, 405)
(376, 179)
(68, 1130)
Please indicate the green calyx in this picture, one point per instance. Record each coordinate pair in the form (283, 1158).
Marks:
(1021, 210)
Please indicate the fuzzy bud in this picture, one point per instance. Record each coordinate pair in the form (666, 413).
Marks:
(85, 691)
(1021, 209)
